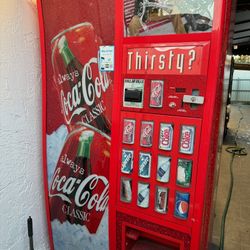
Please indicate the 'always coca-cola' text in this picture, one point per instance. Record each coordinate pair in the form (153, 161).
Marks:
(64, 187)
(85, 92)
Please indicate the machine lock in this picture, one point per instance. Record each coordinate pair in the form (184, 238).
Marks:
(193, 99)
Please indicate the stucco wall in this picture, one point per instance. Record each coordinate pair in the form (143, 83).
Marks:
(21, 188)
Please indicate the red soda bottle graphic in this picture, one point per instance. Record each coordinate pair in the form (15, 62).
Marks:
(82, 160)
(79, 189)
(84, 91)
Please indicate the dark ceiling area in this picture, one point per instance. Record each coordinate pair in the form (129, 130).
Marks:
(241, 37)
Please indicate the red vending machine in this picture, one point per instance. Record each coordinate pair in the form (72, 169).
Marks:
(170, 58)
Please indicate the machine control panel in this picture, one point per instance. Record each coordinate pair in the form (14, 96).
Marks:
(164, 95)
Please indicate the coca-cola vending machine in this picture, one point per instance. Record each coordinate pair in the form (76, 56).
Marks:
(77, 103)
(170, 58)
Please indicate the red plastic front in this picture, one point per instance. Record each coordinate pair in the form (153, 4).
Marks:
(188, 67)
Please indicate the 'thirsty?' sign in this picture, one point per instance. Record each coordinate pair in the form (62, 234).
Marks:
(184, 60)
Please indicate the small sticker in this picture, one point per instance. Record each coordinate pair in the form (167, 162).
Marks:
(106, 58)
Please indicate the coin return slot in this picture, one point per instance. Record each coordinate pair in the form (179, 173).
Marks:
(194, 99)
(138, 240)
(195, 92)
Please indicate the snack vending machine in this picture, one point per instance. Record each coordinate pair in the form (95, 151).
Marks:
(170, 58)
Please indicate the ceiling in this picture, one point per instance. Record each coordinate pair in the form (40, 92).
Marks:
(241, 36)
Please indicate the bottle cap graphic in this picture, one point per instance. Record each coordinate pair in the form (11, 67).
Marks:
(84, 143)
(62, 43)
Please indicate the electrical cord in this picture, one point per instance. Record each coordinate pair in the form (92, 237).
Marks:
(235, 151)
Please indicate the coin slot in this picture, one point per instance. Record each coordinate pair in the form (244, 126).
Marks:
(180, 90)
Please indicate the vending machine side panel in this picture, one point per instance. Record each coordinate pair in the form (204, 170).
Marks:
(77, 101)
(224, 43)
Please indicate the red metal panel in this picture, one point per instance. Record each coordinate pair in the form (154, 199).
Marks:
(63, 23)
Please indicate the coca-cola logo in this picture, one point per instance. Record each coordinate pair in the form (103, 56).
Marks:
(147, 131)
(186, 140)
(156, 91)
(165, 137)
(64, 187)
(85, 92)
(128, 129)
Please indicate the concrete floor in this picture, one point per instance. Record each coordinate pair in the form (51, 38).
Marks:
(237, 229)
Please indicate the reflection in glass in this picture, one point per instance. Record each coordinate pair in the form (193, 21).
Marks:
(158, 17)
